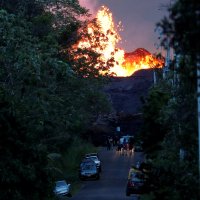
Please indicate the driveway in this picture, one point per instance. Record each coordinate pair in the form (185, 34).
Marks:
(112, 183)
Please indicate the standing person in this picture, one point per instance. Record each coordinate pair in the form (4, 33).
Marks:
(118, 146)
(131, 141)
(124, 146)
(111, 142)
(108, 143)
(115, 140)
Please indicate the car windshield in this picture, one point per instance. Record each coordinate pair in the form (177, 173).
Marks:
(91, 154)
(93, 158)
(87, 159)
(88, 167)
(137, 177)
(125, 139)
(60, 183)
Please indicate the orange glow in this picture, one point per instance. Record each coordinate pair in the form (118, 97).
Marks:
(124, 64)
(135, 63)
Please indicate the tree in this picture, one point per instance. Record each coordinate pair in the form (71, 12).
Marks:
(153, 131)
(24, 164)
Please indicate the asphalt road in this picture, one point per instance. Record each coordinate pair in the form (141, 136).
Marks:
(112, 183)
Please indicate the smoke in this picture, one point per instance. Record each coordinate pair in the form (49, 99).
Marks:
(92, 5)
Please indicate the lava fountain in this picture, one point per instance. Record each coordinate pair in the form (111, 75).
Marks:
(124, 64)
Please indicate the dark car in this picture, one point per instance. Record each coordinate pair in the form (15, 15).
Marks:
(62, 188)
(88, 170)
(96, 159)
(136, 183)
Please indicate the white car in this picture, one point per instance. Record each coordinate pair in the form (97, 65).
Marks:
(95, 158)
(62, 188)
(125, 138)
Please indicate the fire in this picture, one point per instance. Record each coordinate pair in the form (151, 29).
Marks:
(140, 59)
(123, 65)
(107, 42)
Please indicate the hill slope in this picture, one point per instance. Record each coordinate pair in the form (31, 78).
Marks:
(125, 92)
(125, 96)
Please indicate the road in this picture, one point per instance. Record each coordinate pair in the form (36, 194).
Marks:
(112, 183)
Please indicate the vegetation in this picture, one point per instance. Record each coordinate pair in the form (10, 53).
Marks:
(66, 165)
(44, 102)
(170, 111)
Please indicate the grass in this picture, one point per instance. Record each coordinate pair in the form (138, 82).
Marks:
(68, 163)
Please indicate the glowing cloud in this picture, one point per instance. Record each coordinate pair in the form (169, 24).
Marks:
(92, 5)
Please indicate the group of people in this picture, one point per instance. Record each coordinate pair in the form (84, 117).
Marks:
(126, 147)
(111, 141)
(123, 145)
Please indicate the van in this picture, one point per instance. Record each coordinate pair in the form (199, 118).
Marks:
(126, 138)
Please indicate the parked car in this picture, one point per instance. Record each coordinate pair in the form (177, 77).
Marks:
(62, 188)
(92, 154)
(96, 159)
(136, 183)
(88, 170)
(126, 139)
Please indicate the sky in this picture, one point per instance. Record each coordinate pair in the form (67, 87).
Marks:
(138, 18)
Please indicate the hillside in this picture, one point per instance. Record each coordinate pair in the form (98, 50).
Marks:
(125, 95)
(125, 92)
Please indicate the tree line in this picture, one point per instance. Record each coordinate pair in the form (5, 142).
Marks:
(47, 96)
(170, 132)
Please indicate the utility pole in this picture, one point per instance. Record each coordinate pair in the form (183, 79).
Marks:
(158, 47)
(198, 105)
(154, 76)
(198, 86)
(167, 45)
(167, 60)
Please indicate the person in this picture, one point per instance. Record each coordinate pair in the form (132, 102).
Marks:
(124, 146)
(108, 143)
(111, 142)
(131, 142)
(118, 146)
(115, 140)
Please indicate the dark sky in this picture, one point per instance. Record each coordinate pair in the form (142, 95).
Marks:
(138, 17)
